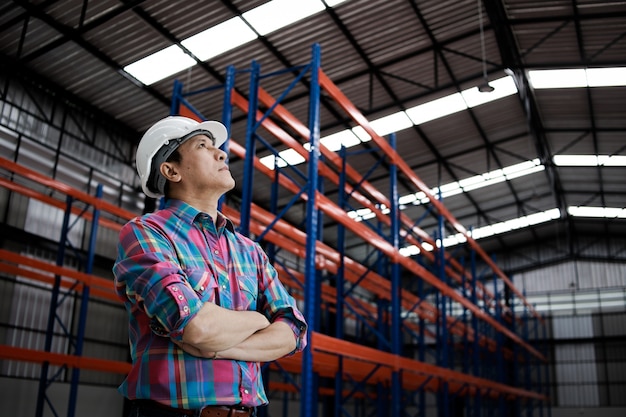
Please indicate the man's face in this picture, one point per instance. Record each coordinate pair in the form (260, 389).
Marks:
(203, 167)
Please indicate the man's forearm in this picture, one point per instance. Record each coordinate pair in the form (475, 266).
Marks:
(273, 342)
(216, 329)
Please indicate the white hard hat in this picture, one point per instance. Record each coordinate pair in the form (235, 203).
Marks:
(158, 143)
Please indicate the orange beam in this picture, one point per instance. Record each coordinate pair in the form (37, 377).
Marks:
(303, 131)
(72, 361)
(366, 354)
(65, 189)
(47, 279)
(90, 280)
(354, 271)
(15, 353)
(21, 189)
(337, 214)
(356, 115)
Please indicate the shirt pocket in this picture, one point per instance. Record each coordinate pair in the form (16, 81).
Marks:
(248, 291)
(202, 282)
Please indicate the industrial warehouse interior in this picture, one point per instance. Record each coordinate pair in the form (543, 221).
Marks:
(439, 184)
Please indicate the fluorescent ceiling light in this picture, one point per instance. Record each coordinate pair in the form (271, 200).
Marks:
(590, 160)
(219, 39)
(276, 14)
(160, 65)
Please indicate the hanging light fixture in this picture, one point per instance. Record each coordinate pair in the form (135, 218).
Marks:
(484, 87)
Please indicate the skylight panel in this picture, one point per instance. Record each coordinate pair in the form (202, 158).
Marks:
(503, 87)
(286, 157)
(612, 160)
(333, 3)
(599, 212)
(590, 160)
(606, 77)
(572, 78)
(336, 140)
(575, 160)
(276, 14)
(564, 78)
(384, 126)
(437, 108)
(160, 65)
(523, 168)
(219, 39)
(392, 123)
(448, 190)
(492, 229)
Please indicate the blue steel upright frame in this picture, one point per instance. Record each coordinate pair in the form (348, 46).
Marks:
(57, 298)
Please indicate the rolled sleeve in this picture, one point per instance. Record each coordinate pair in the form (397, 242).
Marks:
(148, 276)
(295, 320)
(174, 306)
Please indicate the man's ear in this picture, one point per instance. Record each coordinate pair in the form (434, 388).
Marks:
(170, 171)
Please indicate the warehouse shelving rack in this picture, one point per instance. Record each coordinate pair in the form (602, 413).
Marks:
(362, 374)
(495, 318)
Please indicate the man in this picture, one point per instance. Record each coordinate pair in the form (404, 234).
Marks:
(205, 305)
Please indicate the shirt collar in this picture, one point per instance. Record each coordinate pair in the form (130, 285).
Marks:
(189, 213)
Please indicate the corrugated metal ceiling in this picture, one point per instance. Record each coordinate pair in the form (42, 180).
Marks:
(386, 56)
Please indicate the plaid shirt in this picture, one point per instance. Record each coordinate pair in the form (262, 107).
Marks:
(169, 264)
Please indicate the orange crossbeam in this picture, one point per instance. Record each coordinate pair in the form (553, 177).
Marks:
(366, 354)
(356, 115)
(354, 272)
(97, 283)
(292, 240)
(303, 131)
(379, 242)
(60, 359)
(28, 192)
(65, 189)
(325, 348)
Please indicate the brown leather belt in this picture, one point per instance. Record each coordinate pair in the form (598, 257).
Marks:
(208, 411)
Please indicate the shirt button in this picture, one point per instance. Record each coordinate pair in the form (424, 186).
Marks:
(174, 288)
(185, 309)
(245, 391)
(216, 252)
(202, 288)
(224, 286)
(180, 297)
